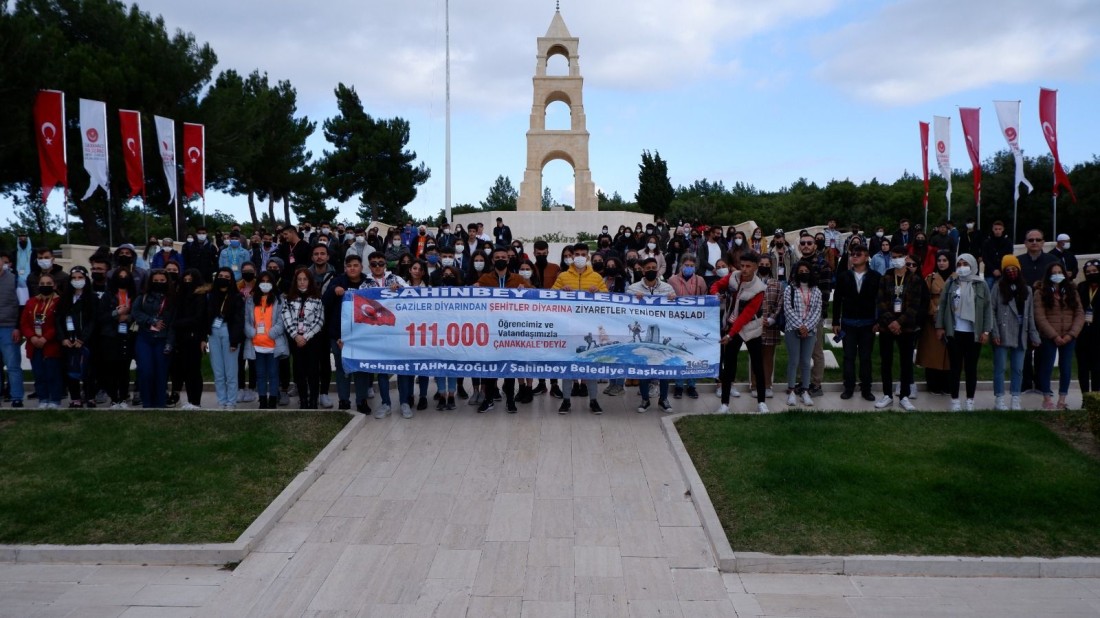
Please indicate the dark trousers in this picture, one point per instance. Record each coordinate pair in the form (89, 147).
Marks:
(858, 342)
(306, 375)
(729, 365)
(1032, 358)
(76, 393)
(284, 370)
(187, 359)
(904, 342)
(963, 350)
(324, 362)
(1088, 360)
(117, 354)
(152, 367)
(246, 370)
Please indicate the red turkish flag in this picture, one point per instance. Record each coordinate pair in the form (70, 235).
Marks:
(372, 312)
(49, 125)
(924, 158)
(194, 160)
(971, 116)
(1048, 116)
(130, 124)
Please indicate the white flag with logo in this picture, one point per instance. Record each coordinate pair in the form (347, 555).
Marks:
(93, 138)
(1008, 114)
(166, 142)
(941, 129)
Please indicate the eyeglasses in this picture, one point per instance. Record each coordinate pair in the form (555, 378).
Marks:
(910, 265)
(806, 242)
(373, 264)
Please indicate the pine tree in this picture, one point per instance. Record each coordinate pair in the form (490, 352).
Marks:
(655, 192)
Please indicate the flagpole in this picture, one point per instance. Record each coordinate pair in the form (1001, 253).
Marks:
(447, 172)
(1015, 201)
(68, 239)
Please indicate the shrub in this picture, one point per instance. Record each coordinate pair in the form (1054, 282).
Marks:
(1092, 410)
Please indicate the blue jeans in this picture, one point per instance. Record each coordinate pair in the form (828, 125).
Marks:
(799, 353)
(567, 386)
(690, 382)
(643, 388)
(1015, 357)
(383, 388)
(446, 385)
(13, 363)
(343, 382)
(267, 375)
(224, 364)
(1065, 366)
(152, 370)
(47, 377)
(405, 386)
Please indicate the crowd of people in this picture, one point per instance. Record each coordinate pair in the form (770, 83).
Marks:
(265, 308)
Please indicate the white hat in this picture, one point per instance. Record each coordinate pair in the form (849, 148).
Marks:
(1063, 237)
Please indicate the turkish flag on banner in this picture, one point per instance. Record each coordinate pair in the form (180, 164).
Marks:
(49, 124)
(924, 158)
(1048, 116)
(971, 117)
(371, 312)
(194, 160)
(129, 122)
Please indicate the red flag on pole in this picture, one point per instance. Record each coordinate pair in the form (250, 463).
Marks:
(194, 160)
(971, 117)
(1048, 116)
(924, 159)
(49, 124)
(130, 123)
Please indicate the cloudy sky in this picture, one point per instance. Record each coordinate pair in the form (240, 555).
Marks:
(731, 90)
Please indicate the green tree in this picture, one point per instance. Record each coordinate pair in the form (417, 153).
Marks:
(370, 160)
(547, 199)
(502, 195)
(655, 192)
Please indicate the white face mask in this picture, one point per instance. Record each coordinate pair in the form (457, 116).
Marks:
(964, 271)
(479, 266)
(879, 234)
(1066, 246)
(351, 236)
(265, 287)
(722, 272)
(526, 274)
(1057, 278)
(580, 261)
(487, 252)
(568, 261)
(460, 248)
(898, 263)
(448, 261)
(303, 288)
(360, 239)
(166, 249)
(738, 242)
(651, 245)
(969, 226)
(189, 239)
(201, 237)
(326, 230)
(45, 264)
(78, 284)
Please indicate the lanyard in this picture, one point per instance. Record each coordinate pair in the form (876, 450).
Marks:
(41, 317)
(1092, 295)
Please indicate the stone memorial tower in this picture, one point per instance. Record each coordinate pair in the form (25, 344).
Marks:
(569, 145)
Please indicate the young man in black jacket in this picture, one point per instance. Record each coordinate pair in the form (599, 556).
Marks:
(854, 311)
(351, 279)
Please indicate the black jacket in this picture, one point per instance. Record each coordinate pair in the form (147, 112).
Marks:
(993, 249)
(332, 303)
(230, 306)
(848, 303)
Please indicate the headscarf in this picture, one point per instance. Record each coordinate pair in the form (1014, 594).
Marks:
(967, 296)
(950, 265)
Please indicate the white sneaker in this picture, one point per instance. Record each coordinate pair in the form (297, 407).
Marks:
(253, 396)
(913, 390)
(722, 409)
(382, 411)
(189, 406)
(1016, 404)
(792, 399)
(807, 400)
(242, 395)
(762, 408)
(885, 402)
(406, 411)
(293, 390)
(734, 392)
(955, 405)
(907, 405)
(969, 405)
(101, 398)
(769, 393)
(42, 405)
(324, 402)
(1000, 403)
(370, 392)
(718, 392)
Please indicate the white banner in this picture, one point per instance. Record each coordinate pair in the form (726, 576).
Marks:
(93, 137)
(512, 333)
(941, 129)
(166, 142)
(1008, 114)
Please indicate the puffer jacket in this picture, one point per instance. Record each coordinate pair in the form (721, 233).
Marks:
(1059, 320)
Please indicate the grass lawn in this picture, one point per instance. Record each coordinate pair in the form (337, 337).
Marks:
(983, 484)
(148, 477)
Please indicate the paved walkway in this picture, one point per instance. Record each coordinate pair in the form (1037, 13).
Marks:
(528, 515)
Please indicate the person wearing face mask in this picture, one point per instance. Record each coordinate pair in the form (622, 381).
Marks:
(462, 256)
(167, 254)
(757, 242)
(351, 279)
(652, 249)
(579, 276)
(449, 276)
(359, 246)
(854, 320)
(743, 325)
(802, 307)
(900, 310)
(224, 334)
(303, 318)
(1060, 318)
(651, 285)
(39, 322)
(191, 327)
(265, 340)
(686, 282)
(145, 259)
(114, 321)
(203, 255)
(446, 259)
(783, 259)
(24, 258)
(500, 277)
(932, 352)
(965, 320)
(972, 240)
(924, 253)
(1088, 344)
(546, 271)
(1014, 330)
(811, 253)
(378, 277)
(44, 265)
(154, 312)
(880, 261)
(76, 321)
(10, 335)
(233, 256)
(1068, 259)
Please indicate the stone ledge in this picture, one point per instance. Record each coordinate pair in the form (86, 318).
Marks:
(196, 554)
(733, 561)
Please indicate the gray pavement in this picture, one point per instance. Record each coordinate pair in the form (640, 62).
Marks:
(527, 515)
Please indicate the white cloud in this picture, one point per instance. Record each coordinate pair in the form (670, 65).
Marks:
(392, 51)
(918, 50)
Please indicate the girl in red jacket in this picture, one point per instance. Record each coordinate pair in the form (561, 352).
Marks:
(39, 325)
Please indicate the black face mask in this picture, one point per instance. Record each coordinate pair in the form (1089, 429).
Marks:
(650, 275)
(1093, 278)
(820, 243)
(172, 276)
(99, 277)
(267, 244)
(765, 271)
(448, 280)
(248, 275)
(540, 261)
(598, 266)
(222, 284)
(158, 287)
(803, 277)
(125, 260)
(45, 290)
(23, 244)
(500, 264)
